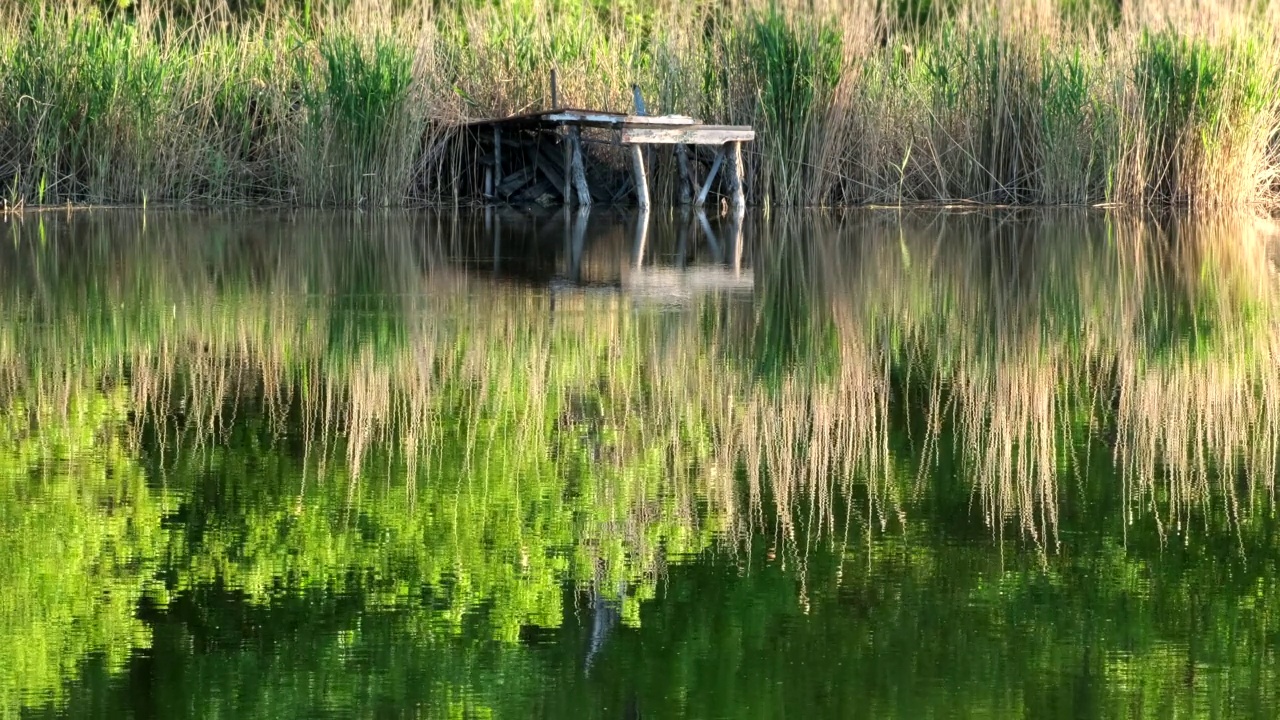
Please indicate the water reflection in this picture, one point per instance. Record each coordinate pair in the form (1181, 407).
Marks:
(893, 464)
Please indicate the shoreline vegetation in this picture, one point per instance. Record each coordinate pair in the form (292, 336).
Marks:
(313, 103)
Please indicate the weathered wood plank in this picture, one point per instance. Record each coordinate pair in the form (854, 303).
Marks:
(549, 166)
(515, 181)
(691, 135)
(588, 118)
(534, 192)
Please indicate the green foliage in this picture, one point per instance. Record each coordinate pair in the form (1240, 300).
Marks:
(795, 64)
(81, 543)
(88, 96)
(1198, 96)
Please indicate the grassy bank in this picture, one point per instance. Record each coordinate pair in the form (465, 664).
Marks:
(1037, 101)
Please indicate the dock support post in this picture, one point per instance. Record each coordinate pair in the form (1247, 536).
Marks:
(642, 182)
(711, 176)
(739, 199)
(578, 169)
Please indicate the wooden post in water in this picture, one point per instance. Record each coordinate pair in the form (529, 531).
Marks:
(682, 152)
(578, 169)
(711, 176)
(739, 196)
(566, 189)
(641, 180)
(640, 110)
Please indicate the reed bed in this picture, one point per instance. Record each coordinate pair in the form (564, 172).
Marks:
(1031, 102)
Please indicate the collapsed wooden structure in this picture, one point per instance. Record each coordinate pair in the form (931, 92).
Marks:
(540, 156)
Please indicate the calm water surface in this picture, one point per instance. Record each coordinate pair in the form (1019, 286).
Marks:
(520, 465)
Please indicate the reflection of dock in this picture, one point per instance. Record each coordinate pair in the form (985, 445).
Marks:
(669, 283)
(579, 251)
(674, 285)
(540, 157)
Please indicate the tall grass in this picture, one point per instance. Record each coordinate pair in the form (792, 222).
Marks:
(1036, 101)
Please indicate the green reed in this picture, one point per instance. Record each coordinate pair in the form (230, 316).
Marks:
(860, 103)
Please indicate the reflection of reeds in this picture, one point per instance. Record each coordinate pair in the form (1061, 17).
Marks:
(1001, 350)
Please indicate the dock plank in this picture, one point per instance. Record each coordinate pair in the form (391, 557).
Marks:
(690, 135)
(589, 118)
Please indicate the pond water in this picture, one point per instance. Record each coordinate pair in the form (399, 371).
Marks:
(526, 464)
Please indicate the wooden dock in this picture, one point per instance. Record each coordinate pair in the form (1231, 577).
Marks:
(540, 156)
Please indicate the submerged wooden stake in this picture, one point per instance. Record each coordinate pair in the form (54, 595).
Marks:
(642, 182)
